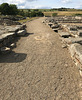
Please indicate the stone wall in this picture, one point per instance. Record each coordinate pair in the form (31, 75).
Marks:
(68, 19)
(9, 33)
(8, 22)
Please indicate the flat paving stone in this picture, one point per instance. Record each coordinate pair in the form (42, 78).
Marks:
(64, 34)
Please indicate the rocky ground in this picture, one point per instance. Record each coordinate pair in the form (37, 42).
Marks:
(39, 68)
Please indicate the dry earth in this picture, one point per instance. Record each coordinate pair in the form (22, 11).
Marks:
(39, 68)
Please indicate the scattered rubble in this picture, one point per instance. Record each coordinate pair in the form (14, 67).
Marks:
(21, 32)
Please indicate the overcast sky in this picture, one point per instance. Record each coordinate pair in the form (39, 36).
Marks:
(35, 4)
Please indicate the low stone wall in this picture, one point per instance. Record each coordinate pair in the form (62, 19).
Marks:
(68, 19)
(11, 32)
(8, 22)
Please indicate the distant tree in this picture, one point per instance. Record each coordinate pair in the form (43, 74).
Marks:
(36, 9)
(39, 13)
(0, 8)
(62, 9)
(44, 10)
(27, 14)
(29, 10)
(21, 12)
(5, 9)
(13, 9)
(32, 14)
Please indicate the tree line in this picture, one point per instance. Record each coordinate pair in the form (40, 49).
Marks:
(29, 13)
(8, 9)
(11, 9)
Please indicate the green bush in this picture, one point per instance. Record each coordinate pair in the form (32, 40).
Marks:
(78, 14)
(11, 9)
(54, 14)
(35, 14)
(8, 9)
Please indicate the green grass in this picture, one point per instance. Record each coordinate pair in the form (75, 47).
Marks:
(27, 19)
(63, 13)
(26, 10)
(49, 12)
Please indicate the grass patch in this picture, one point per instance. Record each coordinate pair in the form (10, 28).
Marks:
(63, 13)
(27, 19)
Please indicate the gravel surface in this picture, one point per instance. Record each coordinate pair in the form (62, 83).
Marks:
(39, 68)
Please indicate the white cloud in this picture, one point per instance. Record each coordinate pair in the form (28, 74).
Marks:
(66, 1)
(79, 6)
(41, 7)
(19, 3)
(16, 1)
(31, 0)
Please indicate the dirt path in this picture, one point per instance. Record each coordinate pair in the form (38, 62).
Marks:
(39, 68)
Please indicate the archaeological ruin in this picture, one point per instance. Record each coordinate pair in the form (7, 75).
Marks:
(70, 31)
(9, 30)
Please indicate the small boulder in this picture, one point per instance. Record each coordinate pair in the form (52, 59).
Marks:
(5, 50)
(80, 33)
(21, 32)
(12, 45)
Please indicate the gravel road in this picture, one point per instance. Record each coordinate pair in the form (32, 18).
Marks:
(39, 68)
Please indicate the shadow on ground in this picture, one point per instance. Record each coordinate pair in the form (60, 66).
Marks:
(28, 34)
(12, 57)
(18, 38)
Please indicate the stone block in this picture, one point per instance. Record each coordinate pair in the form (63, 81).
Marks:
(78, 17)
(72, 40)
(79, 33)
(13, 45)
(76, 53)
(12, 29)
(5, 50)
(74, 33)
(56, 30)
(8, 34)
(72, 28)
(64, 34)
(55, 26)
(21, 32)
(79, 27)
(21, 27)
(50, 24)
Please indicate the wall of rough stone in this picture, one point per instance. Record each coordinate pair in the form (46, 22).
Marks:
(8, 22)
(10, 34)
